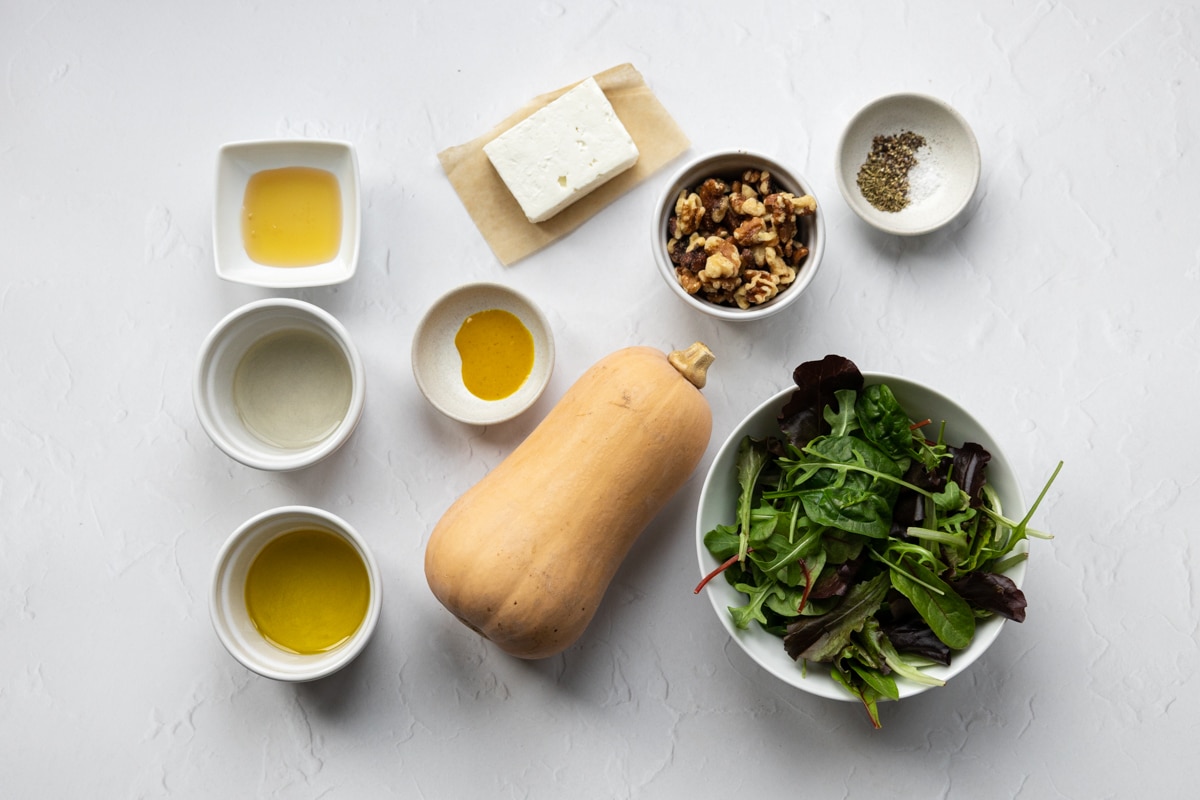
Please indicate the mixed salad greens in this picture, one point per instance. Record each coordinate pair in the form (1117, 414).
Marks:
(861, 542)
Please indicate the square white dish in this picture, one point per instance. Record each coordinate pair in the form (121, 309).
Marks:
(236, 163)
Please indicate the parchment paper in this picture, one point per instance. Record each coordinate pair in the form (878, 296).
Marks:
(496, 212)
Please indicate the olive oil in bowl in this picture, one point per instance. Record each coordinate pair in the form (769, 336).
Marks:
(307, 591)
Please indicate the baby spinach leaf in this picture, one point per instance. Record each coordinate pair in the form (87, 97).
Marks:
(884, 421)
(850, 509)
(947, 614)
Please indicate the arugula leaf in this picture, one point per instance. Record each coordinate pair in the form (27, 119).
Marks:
(722, 541)
(802, 418)
(751, 457)
(742, 615)
(842, 422)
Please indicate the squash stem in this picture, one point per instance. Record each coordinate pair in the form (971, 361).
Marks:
(693, 363)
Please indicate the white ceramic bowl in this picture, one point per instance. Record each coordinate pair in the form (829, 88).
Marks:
(227, 603)
(948, 167)
(437, 365)
(236, 163)
(223, 350)
(718, 503)
(730, 164)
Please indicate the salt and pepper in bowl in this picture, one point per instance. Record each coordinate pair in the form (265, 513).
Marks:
(907, 164)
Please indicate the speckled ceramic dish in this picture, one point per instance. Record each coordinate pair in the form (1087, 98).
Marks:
(730, 164)
(940, 184)
(438, 366)
(236, 163)
(718, 504)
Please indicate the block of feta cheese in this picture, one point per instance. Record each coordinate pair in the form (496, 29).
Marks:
(562, 151)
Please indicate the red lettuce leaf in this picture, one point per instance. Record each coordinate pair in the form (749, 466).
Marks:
(802, 418)
(916, 637)
(992, 592)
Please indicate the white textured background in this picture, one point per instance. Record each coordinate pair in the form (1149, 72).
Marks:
(1062, 309)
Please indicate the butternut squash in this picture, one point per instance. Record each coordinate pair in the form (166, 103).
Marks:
(525, 556)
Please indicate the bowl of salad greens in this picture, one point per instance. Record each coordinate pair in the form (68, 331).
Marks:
(862, 536)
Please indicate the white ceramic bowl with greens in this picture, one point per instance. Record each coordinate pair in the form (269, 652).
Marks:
(718, 504)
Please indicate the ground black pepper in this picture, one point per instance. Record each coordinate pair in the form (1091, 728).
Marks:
(883, 177)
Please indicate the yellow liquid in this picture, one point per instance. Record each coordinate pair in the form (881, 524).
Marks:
(292, 388)
(292, 217)
(307, 591)
(497, 353)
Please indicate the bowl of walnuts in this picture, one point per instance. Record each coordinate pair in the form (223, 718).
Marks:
(737, 235)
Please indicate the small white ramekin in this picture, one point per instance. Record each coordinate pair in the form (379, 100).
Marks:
(730, 164)
(227, 601)
(223, 349)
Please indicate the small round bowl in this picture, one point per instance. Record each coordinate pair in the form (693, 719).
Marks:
(222, 352)
(236, 163)
(947, 171)
(729, 164)
(718, 504)
(437, 365)
(227, 601)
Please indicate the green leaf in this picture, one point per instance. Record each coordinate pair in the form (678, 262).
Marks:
(822, 638)
(951, 498)
(946, 613)
(842, 422)
(876, 642)
(723, 541)
(855, 510)
(883, 685)
(884, 421)
(868, 696)
(742, 615)
(751, 458)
